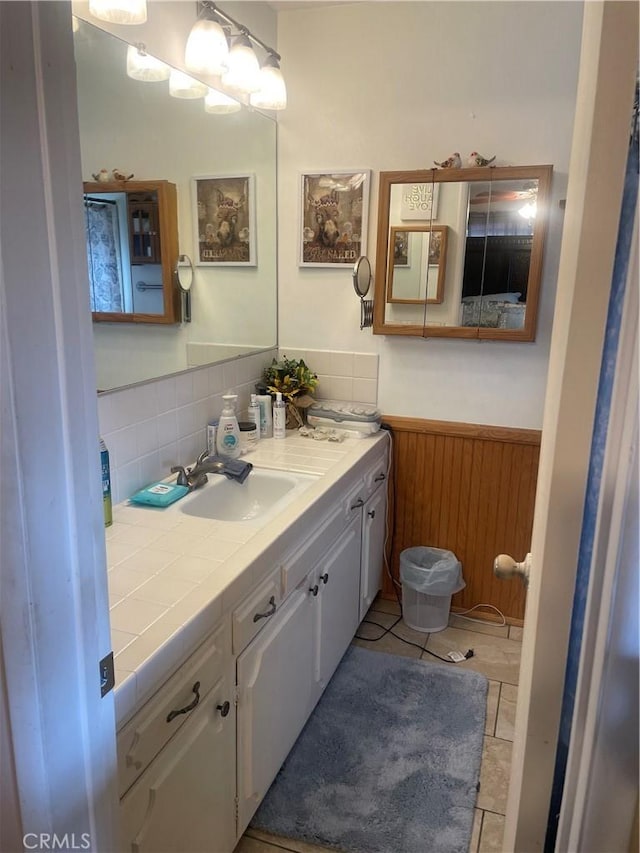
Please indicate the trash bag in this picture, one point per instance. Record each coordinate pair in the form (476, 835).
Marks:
(432, 571)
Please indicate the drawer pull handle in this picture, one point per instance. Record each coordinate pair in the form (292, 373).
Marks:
(372, 513)
(357, 504)
(272, 605)
(314, 589)
(224, 709)
(172, 714)
(325, 577)
(380, 478)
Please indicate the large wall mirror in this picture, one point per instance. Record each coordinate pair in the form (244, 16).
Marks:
(137, 128)
(459, 252)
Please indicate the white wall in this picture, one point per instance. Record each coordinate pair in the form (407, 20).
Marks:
(395, 85)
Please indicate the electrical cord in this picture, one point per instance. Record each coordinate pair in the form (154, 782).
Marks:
(385, 631)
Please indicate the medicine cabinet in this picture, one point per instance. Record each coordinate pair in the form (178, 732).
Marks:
(459, 252)
(132, 251)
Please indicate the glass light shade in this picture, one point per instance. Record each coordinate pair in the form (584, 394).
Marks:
(219, 103)
(243, 73)
(183, 86)
(207, 49)
(119, 11)
(142, 66)
(272, 94)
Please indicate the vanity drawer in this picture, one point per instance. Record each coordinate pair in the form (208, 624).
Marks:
(376, 476)
(142, 738)
(255, 611)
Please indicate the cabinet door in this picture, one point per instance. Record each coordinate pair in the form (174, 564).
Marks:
(185, 799)
(373, 535)
(275, 681)
(338, 579)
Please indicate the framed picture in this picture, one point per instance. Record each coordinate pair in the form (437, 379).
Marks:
(419, 201)
(224, 220)
(401, 249)
(333, 217)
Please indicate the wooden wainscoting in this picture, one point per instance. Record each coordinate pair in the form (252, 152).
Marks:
(470, 489)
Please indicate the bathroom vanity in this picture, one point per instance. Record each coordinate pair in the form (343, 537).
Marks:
(209, 715)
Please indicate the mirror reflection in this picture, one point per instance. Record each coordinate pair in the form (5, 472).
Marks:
(417, 264)
(493, 223)
(140, 129)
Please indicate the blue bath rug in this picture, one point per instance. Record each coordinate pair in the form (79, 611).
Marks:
(389, 761)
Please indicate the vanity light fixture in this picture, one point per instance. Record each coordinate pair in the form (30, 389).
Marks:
(142, 66)
(243, 73)
(272, 94)
(119, 11)
(220, 104)
(181, 85)
(207, 49)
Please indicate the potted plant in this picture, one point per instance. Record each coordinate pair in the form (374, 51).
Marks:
(295, 381)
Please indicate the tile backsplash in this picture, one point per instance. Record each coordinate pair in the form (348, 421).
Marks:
(151, 426)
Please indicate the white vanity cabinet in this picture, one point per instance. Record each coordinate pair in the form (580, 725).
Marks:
(275, 696)
(337, 581)
(183, 796)
(374, 518)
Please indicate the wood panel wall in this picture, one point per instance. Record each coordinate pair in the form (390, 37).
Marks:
(470, 489)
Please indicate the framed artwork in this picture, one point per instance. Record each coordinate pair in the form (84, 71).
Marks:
(224, 220)
(401, 249)
(419, 201)
(333, 217)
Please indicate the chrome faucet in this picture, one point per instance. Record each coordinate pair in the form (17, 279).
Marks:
(196, 476)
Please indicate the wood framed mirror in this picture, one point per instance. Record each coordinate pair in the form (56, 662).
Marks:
(493, 223)
(132, 251)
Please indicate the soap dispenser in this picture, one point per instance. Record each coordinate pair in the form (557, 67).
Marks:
(228, 434)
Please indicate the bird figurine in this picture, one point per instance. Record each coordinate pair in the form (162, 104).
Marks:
(102, 176)
(120, 176)
(453, 162)
(476, 159)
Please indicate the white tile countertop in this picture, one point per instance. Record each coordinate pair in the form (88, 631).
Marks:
(172, 576)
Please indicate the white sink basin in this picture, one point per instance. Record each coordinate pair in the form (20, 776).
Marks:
(263, 493)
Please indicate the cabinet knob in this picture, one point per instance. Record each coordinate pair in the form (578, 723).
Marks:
(172, 714)
(372, 513)
(325, 577)
(314, 589)
(224, 709)
(379, 478)
(357, 504)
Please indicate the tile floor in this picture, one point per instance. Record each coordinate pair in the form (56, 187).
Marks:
(496, 655)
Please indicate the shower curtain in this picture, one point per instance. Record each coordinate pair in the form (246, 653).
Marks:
(104, 256)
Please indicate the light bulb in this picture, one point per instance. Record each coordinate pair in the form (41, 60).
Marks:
(243, 73)
(183, 86)
(143, 66)
(207, 49)
(272, 94)
(119, 11)
(219, 103)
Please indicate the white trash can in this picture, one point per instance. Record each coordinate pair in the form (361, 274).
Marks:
(430, 576)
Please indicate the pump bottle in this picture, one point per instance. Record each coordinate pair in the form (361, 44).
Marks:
(228, 433)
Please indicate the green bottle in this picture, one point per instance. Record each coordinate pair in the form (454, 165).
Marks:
(106, 484)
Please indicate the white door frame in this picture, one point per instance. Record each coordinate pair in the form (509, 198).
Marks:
(54, 621)
(600, 143)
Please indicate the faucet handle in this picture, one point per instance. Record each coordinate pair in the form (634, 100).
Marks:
(202, 457)
(182, 479)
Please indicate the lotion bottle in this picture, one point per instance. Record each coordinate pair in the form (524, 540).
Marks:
(228, 433)
(254, 412)
(279, 417)
(266, 419)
